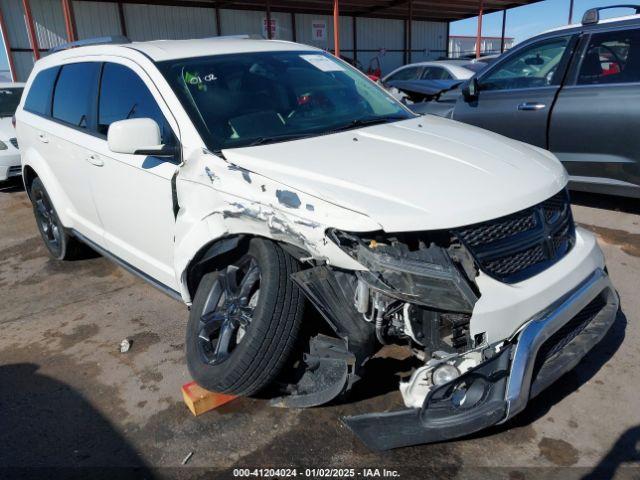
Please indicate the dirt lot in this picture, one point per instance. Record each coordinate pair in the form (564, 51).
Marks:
(68, 398)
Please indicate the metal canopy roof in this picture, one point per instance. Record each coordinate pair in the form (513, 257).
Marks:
(436, 10)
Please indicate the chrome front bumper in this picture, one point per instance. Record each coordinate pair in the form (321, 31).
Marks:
(507, 380)
(539, 330)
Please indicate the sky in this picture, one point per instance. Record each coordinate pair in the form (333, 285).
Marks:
(529, 20)
(522, 22)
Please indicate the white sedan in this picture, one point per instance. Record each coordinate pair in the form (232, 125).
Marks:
(435, 70)
(10, 94)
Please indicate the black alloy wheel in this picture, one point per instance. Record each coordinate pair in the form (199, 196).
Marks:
(228, 310)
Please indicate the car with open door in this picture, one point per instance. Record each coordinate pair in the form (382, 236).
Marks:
(573, 91)
(251, 179)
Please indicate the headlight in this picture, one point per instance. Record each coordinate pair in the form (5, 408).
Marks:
(419, 267)
(3, 146)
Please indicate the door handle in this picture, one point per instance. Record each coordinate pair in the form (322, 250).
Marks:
(95, 160)
(43, 138)
(531, 106)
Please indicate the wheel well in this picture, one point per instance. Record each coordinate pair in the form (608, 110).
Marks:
(28, 176)
(213, 255)
(223, 251)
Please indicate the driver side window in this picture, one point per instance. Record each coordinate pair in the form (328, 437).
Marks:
(535, 66)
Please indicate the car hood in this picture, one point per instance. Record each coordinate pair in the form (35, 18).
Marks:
(419, 174)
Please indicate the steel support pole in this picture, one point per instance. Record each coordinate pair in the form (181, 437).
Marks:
(293, 27)
(123, 23)
(269, 19)
(336, 28)
(355, 39)
(69, 20)
(570, 12)
(409, 36)
(31, 29)
(479, 34)
(504, 23)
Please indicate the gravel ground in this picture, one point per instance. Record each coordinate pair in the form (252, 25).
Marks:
(69, 398)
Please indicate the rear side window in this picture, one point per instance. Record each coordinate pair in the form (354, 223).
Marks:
(435, 73)
(410, 73)
(611, 57)
(39, 97)
(124, 95)
(75, 93)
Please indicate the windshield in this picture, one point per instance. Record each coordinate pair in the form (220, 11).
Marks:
(9, 100)
(255, 98)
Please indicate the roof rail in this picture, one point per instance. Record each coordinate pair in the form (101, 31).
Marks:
(114, 39)
(592, 15)
(242, 36)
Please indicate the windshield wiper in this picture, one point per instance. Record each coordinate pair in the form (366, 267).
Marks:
(278, 138)
(367, 122)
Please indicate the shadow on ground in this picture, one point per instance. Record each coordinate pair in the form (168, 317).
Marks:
(47, 429)
(12, 185)
(607, 202)
(625, 450)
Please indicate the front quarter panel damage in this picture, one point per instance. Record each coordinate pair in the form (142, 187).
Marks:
(218, 199)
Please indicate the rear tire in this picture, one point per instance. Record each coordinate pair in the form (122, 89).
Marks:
(229, 352)
(60, 244)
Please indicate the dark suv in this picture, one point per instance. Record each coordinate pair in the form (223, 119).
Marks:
(574, 91)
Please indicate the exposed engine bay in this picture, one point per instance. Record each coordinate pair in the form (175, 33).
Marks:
(419, 290)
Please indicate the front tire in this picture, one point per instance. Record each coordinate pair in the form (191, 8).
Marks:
(60, 244)
(244, 321)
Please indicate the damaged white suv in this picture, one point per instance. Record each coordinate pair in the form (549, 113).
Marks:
(248, 177)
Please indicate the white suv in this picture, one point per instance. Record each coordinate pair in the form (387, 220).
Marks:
(242, 176)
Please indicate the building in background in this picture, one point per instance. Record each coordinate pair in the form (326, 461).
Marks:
(391, 32)
(461, 46)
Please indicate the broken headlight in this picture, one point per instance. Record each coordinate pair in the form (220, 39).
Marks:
(427, 269)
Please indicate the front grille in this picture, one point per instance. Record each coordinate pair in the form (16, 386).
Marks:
(570, 330)
(13, 171)
(14, 141)
(518, 246)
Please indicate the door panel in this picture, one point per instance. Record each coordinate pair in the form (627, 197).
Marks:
(65, 150)
(519, 114)
(134, 198)
(133, 193)
(64, 142)
(517, 94)
(602, 144)
(595, 120)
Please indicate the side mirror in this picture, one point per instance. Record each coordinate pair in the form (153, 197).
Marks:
(138, 136)
(471, 89)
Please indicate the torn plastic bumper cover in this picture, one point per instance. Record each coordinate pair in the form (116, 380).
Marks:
(499, 388)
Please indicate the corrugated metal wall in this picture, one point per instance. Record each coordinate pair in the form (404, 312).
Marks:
(382, 38)
(240, 22)
(429, 40)
(150, 22)
(96, 19)
(304, 32)
(18, 38)
(375, 37)
(49, 22)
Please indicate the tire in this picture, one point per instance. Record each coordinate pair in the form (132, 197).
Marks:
(254, 358)
(59, 243)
